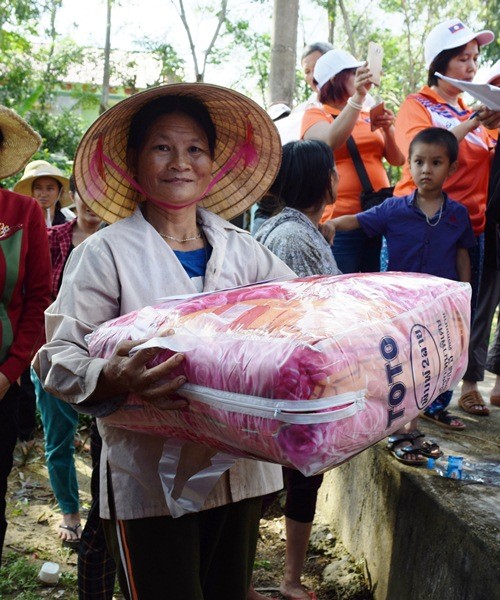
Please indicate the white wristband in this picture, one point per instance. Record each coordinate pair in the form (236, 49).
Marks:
(353, 104)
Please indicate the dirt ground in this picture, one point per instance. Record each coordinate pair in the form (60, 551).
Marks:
(33, 518)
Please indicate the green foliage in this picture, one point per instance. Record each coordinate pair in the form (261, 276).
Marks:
(489, 13)
(258, 47)
(19, 580)
(172, 65)
(31, 74)
(18, 574)
(18, 11)
(61, 132)
(302, 90)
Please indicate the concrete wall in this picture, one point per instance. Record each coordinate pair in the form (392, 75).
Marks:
(421, 536)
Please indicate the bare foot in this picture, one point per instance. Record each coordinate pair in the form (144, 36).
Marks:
(468, 386)
(295, 591)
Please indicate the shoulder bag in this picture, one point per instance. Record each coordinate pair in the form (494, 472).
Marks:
(369, 197)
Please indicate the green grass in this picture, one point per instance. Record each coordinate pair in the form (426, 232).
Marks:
(19, 580)
(18, 574)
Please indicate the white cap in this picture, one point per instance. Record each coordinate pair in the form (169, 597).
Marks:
(452, 34)
(278, 111)
(493, 72)
(332, 63)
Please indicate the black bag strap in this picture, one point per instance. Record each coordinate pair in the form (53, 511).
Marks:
(359, 166)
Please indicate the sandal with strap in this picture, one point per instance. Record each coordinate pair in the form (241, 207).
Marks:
(444, 419)
(424, 450)
(470, 402)
(71, 543)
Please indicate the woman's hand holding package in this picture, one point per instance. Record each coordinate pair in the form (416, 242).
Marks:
(124, 373)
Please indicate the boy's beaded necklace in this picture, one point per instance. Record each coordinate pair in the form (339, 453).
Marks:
(429, 219)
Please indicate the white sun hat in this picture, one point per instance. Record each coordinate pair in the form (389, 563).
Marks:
(332, 63)
(452, 33)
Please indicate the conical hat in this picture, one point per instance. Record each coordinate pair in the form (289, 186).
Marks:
(107, 190)
(41, 168)
(19, 143)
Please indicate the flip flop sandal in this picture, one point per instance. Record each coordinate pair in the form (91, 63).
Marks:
(400, 453)
(469, 403)
(71, 543)
(444, 419)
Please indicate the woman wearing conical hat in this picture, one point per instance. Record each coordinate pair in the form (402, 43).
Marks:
(166, 167)
(50, 188)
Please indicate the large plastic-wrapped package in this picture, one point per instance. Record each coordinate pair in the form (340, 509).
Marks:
(304, 372)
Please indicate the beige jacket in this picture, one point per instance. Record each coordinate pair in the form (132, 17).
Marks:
(120, 269)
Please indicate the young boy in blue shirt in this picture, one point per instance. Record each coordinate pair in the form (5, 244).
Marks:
(426, 232)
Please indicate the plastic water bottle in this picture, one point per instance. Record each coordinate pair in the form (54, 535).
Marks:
(484, 472)
(455, 467)
(450, 466)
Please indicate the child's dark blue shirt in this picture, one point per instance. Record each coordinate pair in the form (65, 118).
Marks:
(413, 244)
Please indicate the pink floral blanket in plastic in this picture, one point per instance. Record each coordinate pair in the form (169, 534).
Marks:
(303, 372)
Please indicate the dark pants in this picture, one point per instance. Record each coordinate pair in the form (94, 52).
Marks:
(476, 255)
(493, 362)
(489, 299)
(355, 252)
(207, 555)
(301, 495)
(96, 567)
(26, 407)
(8, 438)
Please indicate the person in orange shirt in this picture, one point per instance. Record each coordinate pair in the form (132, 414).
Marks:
(343, 84)
(452, 49)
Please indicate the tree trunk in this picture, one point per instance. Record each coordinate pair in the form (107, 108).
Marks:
(107, 51)
(283, 51)
(221, 17)
(330, 9)
(348, 28)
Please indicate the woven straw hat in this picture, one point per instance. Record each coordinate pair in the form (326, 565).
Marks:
(108, 193)
(41, 168)
(19, 144)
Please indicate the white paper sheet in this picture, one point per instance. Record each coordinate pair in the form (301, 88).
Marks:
(488, 94)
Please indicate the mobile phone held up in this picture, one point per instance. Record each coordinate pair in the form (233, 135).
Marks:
(376, 111)
(375, 57)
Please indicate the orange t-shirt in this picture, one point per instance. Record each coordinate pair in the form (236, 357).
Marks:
(469, 184)
(371, 148)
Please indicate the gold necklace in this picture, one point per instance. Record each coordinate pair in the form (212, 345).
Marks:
(180, 241)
